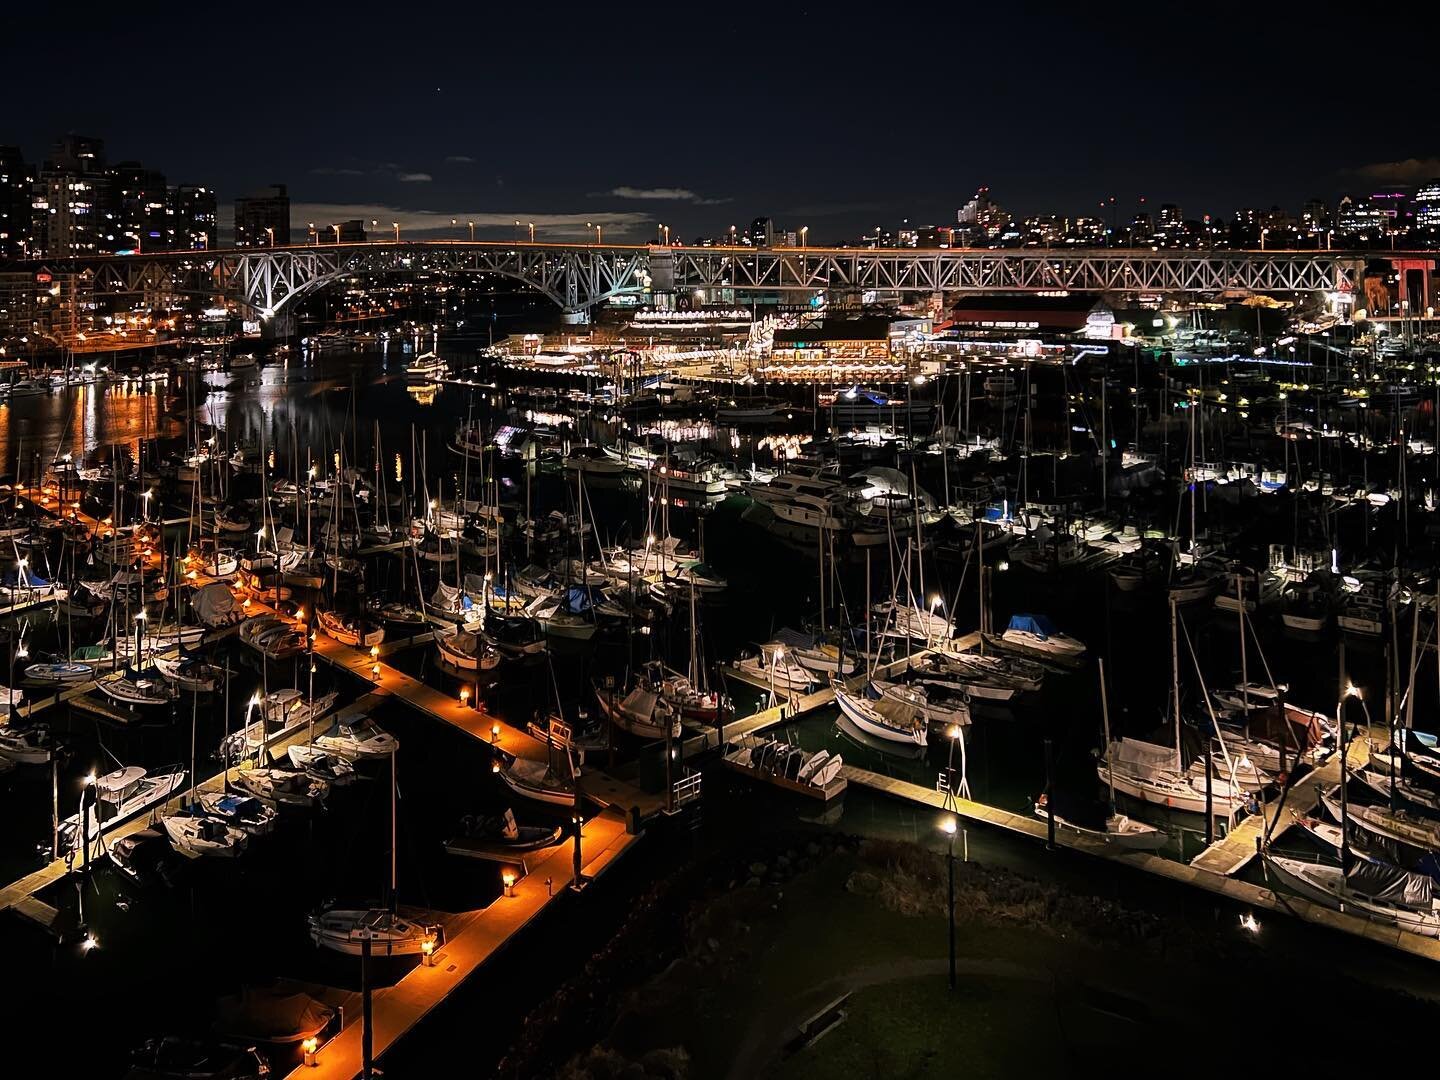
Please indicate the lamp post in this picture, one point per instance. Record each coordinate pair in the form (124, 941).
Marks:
(270, 232)
(948, 827)
(472, 230)
(592, 225)
(396, 226)
(531, 226)
(337, 232)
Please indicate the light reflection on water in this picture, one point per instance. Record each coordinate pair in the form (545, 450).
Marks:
(80, 420)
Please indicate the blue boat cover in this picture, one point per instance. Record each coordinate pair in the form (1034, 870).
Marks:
(1039, 625)
(579, 599)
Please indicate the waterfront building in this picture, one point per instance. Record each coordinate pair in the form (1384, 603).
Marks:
(195, 217)
(73, 204)
(761, 232)
(1358, 217)
(262, 219)
(143, 216)
(982, 218)
(17, 180)
(865, 338)
(1427, 204)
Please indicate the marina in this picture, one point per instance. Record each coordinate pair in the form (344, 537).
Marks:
(480, 604)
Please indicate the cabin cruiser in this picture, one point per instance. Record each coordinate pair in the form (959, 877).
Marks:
(358, 739)
(119, 796)
(500, 837)
(244, 812)
(281, 713)
(426, 366)
(284, 787)
(322, 764)
(196, 834)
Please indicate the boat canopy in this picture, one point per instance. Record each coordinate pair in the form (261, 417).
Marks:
(213, 602)
(1039, 625)
(1389, 883)
(580, 599)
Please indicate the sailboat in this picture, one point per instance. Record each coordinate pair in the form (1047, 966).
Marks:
(1399, 897)
(1156, 774)
(349, 631)
(889, 718)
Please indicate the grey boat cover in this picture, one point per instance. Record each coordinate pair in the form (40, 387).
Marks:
(1390, 883)
(214, 603)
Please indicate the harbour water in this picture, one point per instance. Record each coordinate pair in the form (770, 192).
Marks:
(165, 955)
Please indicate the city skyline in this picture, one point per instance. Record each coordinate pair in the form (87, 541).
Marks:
(561, 129)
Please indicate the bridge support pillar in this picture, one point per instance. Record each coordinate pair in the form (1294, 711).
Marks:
(576, 317)
(277, 327)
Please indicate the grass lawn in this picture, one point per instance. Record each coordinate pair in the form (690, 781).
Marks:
(916, 1029)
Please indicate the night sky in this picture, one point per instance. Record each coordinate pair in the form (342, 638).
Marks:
(702, 116)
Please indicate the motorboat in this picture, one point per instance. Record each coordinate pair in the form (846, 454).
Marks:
(244, 812)
(426, 366)
(501, 837)
(814, 774)
(196, 834)
(777, 667)
(324, 764)
(273, 637)
(284, 787)
(346, 930)
(188, 672)
(25, 746)
(281, 713)
(145, 857)
(119, 796)
(358, 739)
(59, 674)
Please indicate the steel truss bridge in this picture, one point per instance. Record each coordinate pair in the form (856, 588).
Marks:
(579, 276)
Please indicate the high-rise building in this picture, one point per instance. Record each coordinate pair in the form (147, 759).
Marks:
(1359, 217)
(73, 205)
(195, 217)
(1315, 215)
(17, 180)
(143, 215)
(263, 219)
(1427, 205)
(981, 218)
(762, 232)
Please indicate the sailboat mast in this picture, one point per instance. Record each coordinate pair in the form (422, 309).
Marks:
(1105, 720)
(1175, 682)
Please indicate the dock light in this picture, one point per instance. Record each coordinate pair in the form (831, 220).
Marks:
(374, 652)
(427, 952)
(310, 1047)
(494, 733)
(1247, 922)
(495, 766)
(375, 672)
(508, 877)
(300, 614)
(947, 826)
(1351, 690)
(90, 778)
(953, 731)
(22, 651)
(90, 943)
(140, 617)
(314, 637)
(247, 602)
(464, 697)
(24, 561)
(1002, 565)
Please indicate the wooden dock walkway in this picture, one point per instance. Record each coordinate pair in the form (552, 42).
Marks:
(399, 1008)
(1243, 892)
(1233, 852)
(19, 894)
